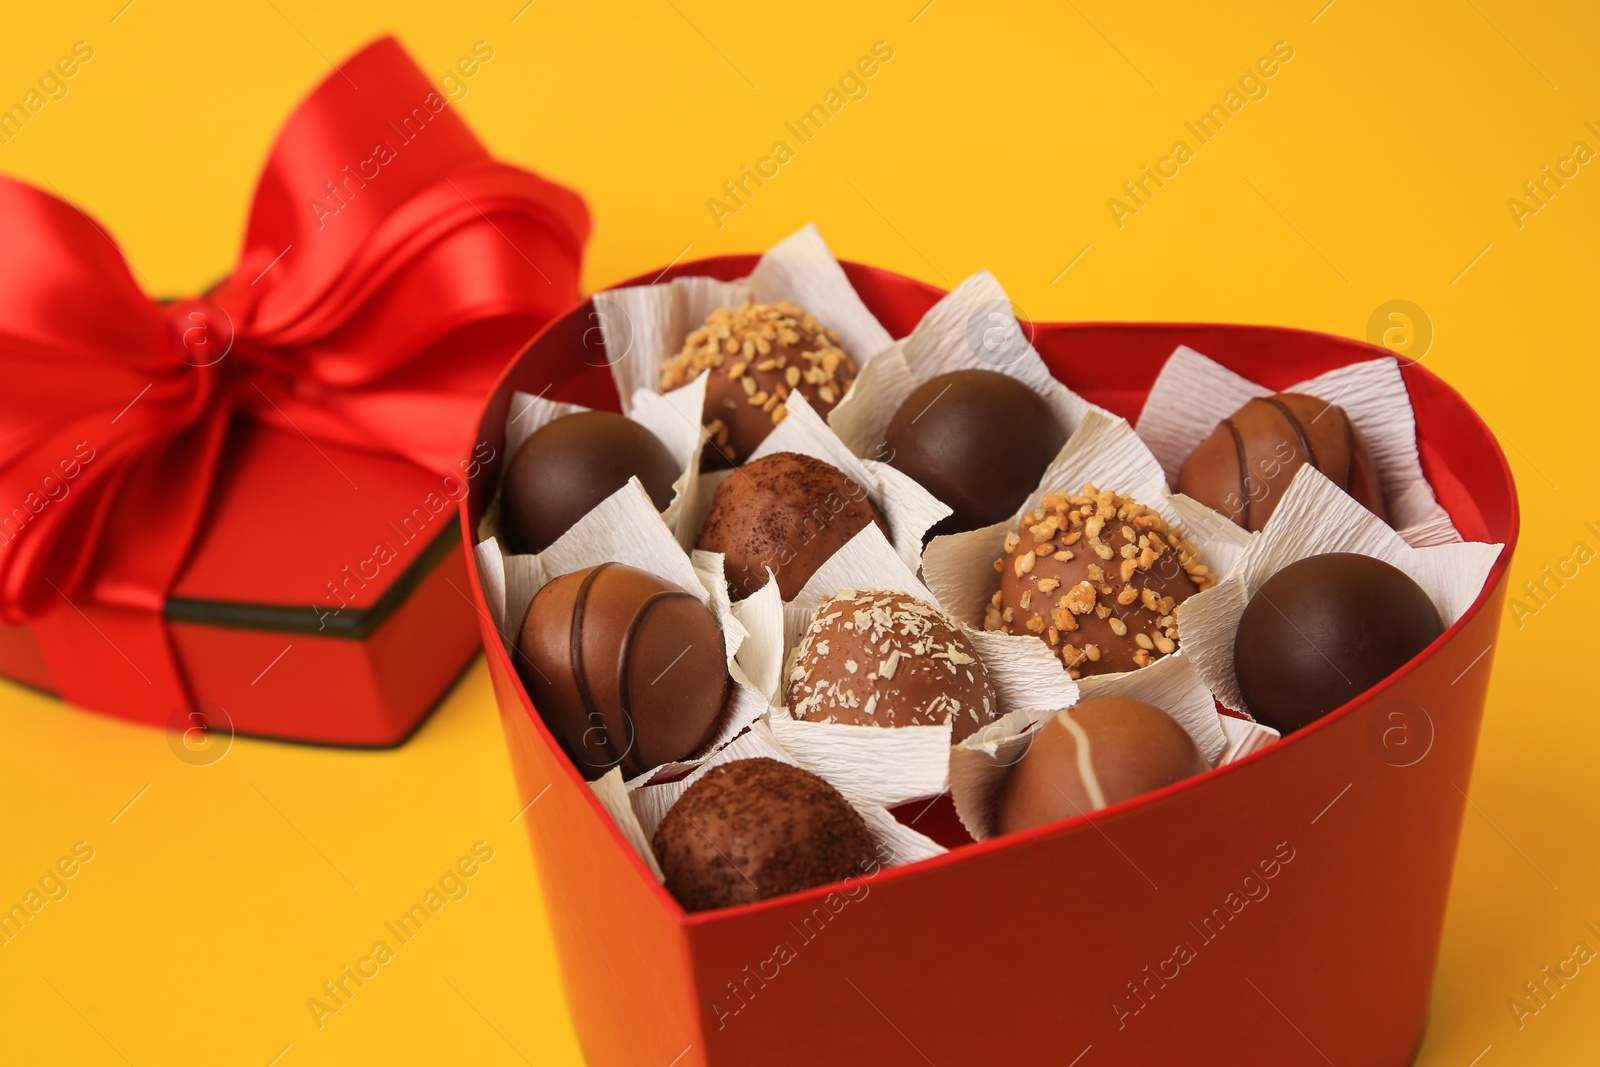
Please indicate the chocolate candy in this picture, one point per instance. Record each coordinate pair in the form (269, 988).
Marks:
(978, 440)
(1323, 631)
(624, 668)
(755, 356)
(788, 512)
(1245, 466)
(571, 464)
(880, 658)
(1091, 756)
(758, 828)
(1099, 578)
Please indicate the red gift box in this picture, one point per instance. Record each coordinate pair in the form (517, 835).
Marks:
(1283, 909)
(235, 510)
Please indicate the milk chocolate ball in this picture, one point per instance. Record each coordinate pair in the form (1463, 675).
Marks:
(1092, 756)
(1245, 466)
(876, 657)
(758, 828)
(788, 512)
(978, 440)
(626, 669)
(1323, 631)
(1098, 577)
(569, 465)
(755, 356)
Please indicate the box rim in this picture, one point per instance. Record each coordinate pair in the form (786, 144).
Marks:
(743, 263)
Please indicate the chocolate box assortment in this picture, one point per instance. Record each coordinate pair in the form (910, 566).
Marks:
(925, 653)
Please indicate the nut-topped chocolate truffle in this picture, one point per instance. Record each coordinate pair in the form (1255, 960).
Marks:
(1324, 630)
(787, 512)
(880, 658)
(758, 828)
(978, 440)
(1092, 756)
(1098, 577)
(624, 668)
(569, 465)
(1245, 466)
(755, 356)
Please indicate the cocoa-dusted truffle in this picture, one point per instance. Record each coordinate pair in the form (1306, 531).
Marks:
(788, 512)
(624, 668)
(978, 440)
(1099, 577)
(1324, 630)
(569, 465)
(755, 356)
(880, 658)
(1091, 756)
(1245, 466)
(758, 828)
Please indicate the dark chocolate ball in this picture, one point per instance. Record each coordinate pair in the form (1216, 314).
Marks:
(624, 668)
(1245, 466)
(755, 356)
(1092, 756)
(879, 658)
(758, 828)
(569, 465)
(978, 440)
(1323, 631)
(788, 512)
(1098, 577)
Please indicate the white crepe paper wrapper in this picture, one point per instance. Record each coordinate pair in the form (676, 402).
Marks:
(1316, 517)
(980, 764)
(625, 528)
(1372, 393)
(613, 795)
(1244, 737)
(896, 843)
(649, 323)
(902, 764)
(674, 420)
(910, 510)
(971, 328)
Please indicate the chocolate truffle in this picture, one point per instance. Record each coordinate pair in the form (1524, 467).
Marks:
(624, 668)
(755, 356)
(1323, 631)
(1245, 466)
(1092, 756)
(880, 658)
(978, 440)
(1099, 578)
(788, 512)
(569, 465)
(758, 828)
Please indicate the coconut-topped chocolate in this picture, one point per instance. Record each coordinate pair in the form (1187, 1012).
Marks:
(1098, 577)
(879, 658)
(758, 828)
(754, 357)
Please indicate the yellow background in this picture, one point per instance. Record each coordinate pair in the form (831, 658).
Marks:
(1378, 168)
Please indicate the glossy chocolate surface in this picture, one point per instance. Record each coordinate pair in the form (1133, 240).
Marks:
(626, 669)
(1323, 631)
(978, 440)
(571, 464)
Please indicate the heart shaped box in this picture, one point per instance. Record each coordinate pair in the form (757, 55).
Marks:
(1284, 909)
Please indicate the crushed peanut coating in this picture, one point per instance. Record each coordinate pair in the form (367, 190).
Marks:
(756, 356)
(1107, 601)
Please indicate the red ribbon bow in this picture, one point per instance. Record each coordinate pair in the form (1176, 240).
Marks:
(380, 227)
